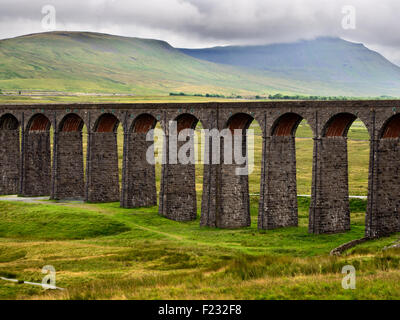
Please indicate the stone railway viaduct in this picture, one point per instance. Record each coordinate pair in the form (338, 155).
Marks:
(26, 168)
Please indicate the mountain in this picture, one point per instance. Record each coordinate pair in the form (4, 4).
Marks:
(93, 62)
(326, 60)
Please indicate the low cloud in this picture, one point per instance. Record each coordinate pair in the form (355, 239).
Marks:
(200, 23)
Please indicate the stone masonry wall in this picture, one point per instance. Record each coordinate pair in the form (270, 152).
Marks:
(279, 207)
(210, 196)
(69, 180)
(37, 164)
(235, 201)
(225, 195)
(103, 176)
(178, 191)
(384, 218)
(9, 162)
(140, 182)
(329, 210)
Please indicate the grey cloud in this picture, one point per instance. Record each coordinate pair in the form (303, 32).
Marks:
(197, 23)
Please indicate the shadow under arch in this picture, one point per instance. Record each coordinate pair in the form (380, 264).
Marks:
(102, 184)
(286, 124)
(241, 121)
(36, 164)
(71, 122)
(39, 122)
(138, 173)
(391, 128)
(10, 154)
(338, 125)
(69, 175)
(8, 122)
(107, 122)
(143, 123)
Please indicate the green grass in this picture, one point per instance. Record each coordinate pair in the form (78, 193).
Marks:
(155, 258)
(41, 222)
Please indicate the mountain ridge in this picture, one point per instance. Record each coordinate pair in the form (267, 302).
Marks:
(355, 61)
(95, 62)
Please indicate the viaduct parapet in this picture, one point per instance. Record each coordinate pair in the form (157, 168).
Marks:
(27, 168)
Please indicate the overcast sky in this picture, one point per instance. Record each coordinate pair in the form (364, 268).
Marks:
(204, 23)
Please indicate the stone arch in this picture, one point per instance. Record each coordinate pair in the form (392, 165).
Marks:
(38, 122)
(102, 169)
(233, 189)
(107, 122)
(391, 128)
(8, 122)
(178, 200)
(286, 124)
(139, 174)
(330, 209)
(10, 154)
(143, 123)
(71, 123)
(240, 121)
(36, 170)
(186, 121)
(278, 196)
(69, 171)
(338, 125)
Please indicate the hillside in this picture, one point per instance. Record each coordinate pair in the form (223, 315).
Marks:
(326, 60)
(92, 62)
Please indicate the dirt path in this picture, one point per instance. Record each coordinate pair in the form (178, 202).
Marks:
(25, 199)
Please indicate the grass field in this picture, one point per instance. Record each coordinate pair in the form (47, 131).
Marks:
(136, 254)
(102, 251)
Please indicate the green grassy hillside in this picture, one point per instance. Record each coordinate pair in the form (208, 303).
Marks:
(92, 62)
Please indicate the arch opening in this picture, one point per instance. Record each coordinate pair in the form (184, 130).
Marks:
(239, 121)
(186, 121)
(71, 123)
(391, 129)
(286, 125)
(143, 123)
(339, 125)
(8, 122)
(39, 122)
(106, 123)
